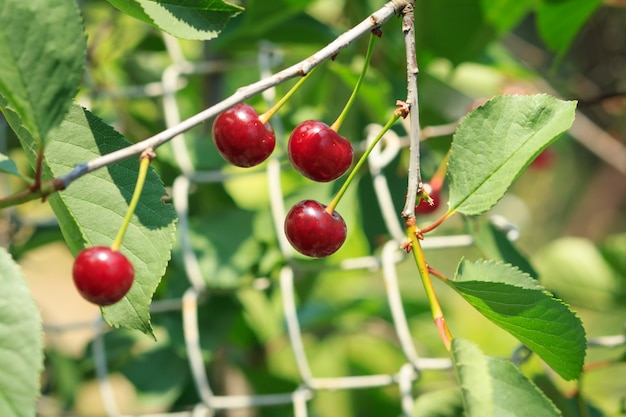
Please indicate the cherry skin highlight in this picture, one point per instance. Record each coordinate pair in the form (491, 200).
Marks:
(241, 138)
(313, 231)
(318, 152)
(102, 275)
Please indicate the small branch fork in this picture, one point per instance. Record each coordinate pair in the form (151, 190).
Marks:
(374, 21)
(415, 185)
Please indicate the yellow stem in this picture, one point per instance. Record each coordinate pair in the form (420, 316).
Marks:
(422, 266)
(144, 164)
(331, 207)
(265, 117)
(335, 126)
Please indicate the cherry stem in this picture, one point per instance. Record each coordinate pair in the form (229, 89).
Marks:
(265, 117)
(368, 56)
(144, 163)
(424, 271)
(333, 204)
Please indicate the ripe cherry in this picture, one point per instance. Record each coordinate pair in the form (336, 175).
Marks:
(427, 207)
(313, 231)
(102, 275)
(318, 152)
(241, 138)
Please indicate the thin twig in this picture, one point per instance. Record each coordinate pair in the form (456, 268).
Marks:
(375, 20)
(28, 194)
(415, 177)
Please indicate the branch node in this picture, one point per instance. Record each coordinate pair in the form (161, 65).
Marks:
(78, 171)
(148, 153)
(403, 109)
(399, 6)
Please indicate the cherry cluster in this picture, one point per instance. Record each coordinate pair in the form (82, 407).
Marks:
(103, 275)
(315, 150)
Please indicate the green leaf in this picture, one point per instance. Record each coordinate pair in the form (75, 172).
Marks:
(90, 210)
(570, 405)
(132, 8)
(495, 387)
(494, 244)
(559, 21)
(8, 167)
(43, 49)
(188, 19)
(514, 301)
(576, 270)
(21, 360)
(494, 144)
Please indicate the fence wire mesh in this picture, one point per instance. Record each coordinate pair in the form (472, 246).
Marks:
(173, 78)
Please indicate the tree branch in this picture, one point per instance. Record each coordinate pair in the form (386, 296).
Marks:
(415, 177)
(375, 20)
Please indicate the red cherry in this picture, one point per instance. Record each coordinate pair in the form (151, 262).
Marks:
(102, 275)
(313, 231)
(241, 138)
(426, 207)
(318, 152)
